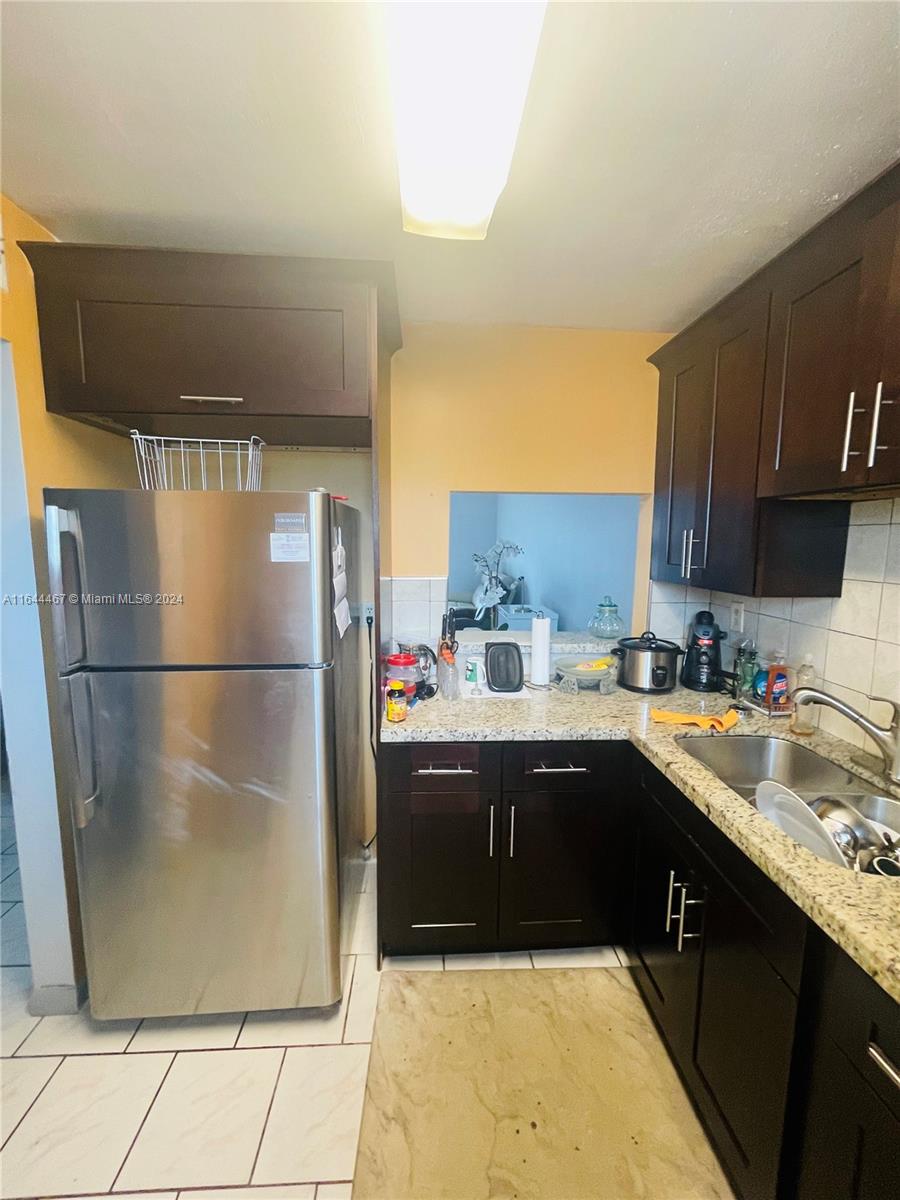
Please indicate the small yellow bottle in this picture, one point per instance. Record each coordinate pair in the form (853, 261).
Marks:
(397, 705)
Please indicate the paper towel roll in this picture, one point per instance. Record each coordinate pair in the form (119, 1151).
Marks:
(540, 650)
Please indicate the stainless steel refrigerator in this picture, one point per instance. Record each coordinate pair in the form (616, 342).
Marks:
(209, 746)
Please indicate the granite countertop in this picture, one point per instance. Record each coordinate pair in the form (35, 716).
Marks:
(861, 913)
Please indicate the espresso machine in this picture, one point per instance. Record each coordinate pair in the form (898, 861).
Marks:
(701, 670)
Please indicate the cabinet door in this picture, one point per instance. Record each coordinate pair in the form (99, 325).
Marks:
(878, 345)
(208, 359)
(682, 459)
(814, 420)
(851, 1146)
(439, 870)
(743, 1043)
(560, 868)
(726, 558)
(665, 936)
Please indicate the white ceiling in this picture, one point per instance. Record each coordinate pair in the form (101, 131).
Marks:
(666, 149)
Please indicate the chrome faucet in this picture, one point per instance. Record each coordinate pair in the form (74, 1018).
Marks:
(887, 740)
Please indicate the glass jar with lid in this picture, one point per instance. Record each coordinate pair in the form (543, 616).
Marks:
(606, 625)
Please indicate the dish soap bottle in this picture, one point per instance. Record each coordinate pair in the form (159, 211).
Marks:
(606, 625)
(803, 720)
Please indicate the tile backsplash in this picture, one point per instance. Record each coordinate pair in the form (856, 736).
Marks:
(854, 640)
(417, 605)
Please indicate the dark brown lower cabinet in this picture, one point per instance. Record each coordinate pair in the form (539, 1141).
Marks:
(466, 865)
(701, 958)
(558, 870)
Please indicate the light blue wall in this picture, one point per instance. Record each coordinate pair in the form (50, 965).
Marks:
(473, 527)
(576, 547)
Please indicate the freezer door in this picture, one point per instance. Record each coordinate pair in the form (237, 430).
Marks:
(207, 860)
(190, 578)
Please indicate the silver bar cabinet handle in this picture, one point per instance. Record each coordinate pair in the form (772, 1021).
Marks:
(491, 835)
(876, 418)
(512, 830)
(848, 429)
(682, 936)
(445, 771)
(684, 554)
(690, 553)
(881, 1060)
(570, 769)
(214, 399)
(669, 901)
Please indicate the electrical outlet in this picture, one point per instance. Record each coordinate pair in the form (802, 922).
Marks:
(368, 610)
(737, 617)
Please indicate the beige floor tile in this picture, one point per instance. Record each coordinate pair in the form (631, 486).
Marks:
(11, 887)
(314, 1123)
(142, 1196)
(211, 1031)
(15, 1020)
(300, 1026)
(13, 938)
(513, 960)
(334, 1191)
(78, 1033)
(413, 962)
(580, 956)
(290, 1191)
(205, 1124)
(77, 1132)
(364, 939)
(363, 999)
(21, 1080)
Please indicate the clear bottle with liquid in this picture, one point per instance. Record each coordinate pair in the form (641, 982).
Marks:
(803, 718)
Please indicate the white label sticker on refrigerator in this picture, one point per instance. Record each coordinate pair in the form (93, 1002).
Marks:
(289, 547)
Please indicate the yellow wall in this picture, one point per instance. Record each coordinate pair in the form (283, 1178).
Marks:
(514, 408)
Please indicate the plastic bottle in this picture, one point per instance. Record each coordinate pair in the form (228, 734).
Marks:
(803, 720)
(448, 676)
(397, 705)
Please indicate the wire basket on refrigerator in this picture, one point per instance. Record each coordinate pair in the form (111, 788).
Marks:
(173, 464)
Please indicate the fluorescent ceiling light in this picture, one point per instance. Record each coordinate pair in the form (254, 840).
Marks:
(459, 74)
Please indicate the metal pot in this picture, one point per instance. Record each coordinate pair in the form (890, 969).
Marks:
(647, 663)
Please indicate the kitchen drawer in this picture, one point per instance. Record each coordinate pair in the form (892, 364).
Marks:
(563, 766)
(442, 767)
(863, 1020)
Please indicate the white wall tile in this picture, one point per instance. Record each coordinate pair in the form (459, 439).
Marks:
(699, 596)
(410, 588)
(412, 619)
(849, 661)
(889, 619)
(832, 722)
(870, 512)
(436, 609)
(667, 620)
(856, 609)
(775, 606)
(438, 589)
(816, 610)
(892, 564)
(807, 639)
(668, 593)
(772, 635)
(866, 552)
(886, 675)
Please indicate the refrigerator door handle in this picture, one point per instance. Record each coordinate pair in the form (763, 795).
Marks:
(85, 785)
(64, 554)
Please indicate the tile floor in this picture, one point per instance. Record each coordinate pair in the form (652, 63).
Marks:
(259, 1106)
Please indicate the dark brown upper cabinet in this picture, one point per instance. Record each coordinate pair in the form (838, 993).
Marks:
(215, 345)
(832, 385)
(710, 530)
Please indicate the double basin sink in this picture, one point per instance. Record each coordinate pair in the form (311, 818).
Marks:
(744, 760)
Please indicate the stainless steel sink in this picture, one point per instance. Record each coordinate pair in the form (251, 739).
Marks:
(742, 761)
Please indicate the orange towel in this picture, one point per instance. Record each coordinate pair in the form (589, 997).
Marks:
(720, 724)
